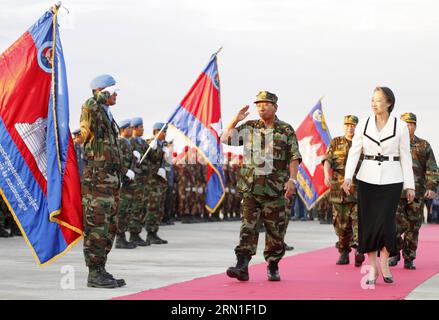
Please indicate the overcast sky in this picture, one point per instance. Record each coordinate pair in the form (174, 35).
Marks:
(300, 50)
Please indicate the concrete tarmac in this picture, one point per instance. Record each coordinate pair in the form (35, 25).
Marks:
(194, 250)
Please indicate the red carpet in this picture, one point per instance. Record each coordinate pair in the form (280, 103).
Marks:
(308, 276)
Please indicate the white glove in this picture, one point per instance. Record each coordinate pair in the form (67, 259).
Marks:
(165, 150)
(130, 174)
(233, 191)
(153, 144)
(137, 155)
(226, 189)
(194, 189)
(200, 190)
(162, 173)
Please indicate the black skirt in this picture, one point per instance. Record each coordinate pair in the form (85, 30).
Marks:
(377, 205)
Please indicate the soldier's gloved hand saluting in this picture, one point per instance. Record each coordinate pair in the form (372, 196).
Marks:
(130, 174)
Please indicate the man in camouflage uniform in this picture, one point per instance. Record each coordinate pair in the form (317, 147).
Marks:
(101, 180)
(156, 185)
(267, 180)
(138, 210)
(79, 151)
(344, 207)
(409, 216)
(129, 160)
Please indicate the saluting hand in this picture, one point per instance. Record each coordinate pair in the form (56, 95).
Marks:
(347, 186)
(242, 114)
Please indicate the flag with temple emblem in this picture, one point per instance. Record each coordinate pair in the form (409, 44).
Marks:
(198, 118)
(314, 138)
(39, 178)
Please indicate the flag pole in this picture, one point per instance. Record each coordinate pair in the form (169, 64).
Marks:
(155, 138)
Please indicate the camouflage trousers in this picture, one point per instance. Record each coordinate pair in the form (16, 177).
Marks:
(100, 201)
(125, 207)
(409, 219)
(345, 222)
(198, 203)
(138, 208)
(271, 211)
(155, 206)
(183, 200)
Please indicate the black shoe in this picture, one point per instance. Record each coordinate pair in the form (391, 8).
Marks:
(240, 271)
(273, 272)
(135, 238)
(122, 243)
(359, 259)
(154, 239)
(343, 259)
(3, 233)
(393, 261)
(15, 231)
(187, 219)
(288, 248)
(120, 282)
(409, 265)
(97, 279)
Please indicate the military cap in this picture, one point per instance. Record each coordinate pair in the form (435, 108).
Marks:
(265, 96)
(408, 117)
(186, 149)
(351, 119)
(229, 155)
(76, 132)
(159, 126)
(174, 154)
(135, 122)
(102, 81)
(125, 123)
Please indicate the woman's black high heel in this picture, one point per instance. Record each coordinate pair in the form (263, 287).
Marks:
(388, 279)
(374, 281)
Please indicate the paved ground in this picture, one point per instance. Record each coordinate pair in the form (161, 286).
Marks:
(194, 250)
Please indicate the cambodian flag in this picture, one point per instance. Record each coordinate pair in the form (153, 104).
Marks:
(39, 178)
(198, 118)
(314, 138)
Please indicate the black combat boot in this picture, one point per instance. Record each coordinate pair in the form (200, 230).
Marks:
(409, 265)
(240, 271)
(359, 258)
(393, 261)
(15, 231)
(153, 238)
(3, 233)
(273, 271)
(97, 279)
(187, 219)
(135, 238)
(122, 243)
(288, 248)
(120, 282)
(344, 258)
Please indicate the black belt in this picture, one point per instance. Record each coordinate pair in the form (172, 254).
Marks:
(381, 158)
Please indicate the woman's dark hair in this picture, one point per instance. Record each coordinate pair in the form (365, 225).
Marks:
(389, 96)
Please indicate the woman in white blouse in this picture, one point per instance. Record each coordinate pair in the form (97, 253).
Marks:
(385, 171)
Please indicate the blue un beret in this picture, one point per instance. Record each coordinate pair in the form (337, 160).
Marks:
(158, 126)
(136, 122)
(77, 131)
(102, 81)
(124, 123)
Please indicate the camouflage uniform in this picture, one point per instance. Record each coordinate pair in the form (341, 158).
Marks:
(324, 208)
(138, 214)
(101, 180)
(345, 215)
(79, 151)
(409, 217)
(128, 187)
(156, 188)
(263, 195)
(200, 187)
